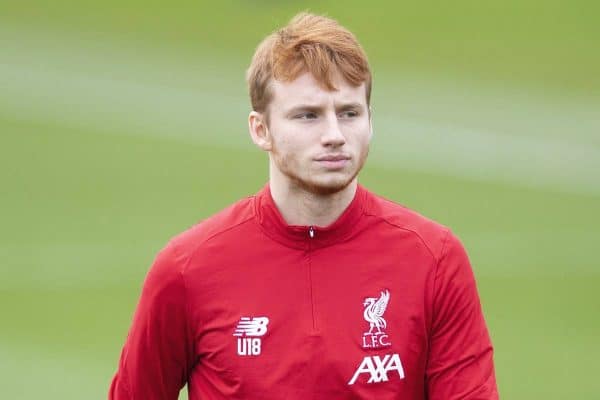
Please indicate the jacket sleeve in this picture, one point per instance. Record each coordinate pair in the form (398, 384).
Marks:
(460, 360)
(157, 355)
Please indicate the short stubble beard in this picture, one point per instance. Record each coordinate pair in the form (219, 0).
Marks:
(310, 186)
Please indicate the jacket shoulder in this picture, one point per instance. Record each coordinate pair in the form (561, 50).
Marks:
(223, 221)
(431, 233)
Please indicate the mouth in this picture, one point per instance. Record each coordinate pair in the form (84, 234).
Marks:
(333, 157)
(333, 161)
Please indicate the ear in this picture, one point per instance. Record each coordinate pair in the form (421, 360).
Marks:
(259, 132)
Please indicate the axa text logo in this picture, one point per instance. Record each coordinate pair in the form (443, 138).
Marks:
(377, 369)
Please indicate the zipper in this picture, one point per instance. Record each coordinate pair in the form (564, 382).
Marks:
(311, 235)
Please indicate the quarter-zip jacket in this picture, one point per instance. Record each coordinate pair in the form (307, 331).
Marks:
(382, 304)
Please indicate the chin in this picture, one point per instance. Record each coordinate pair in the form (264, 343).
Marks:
(318, 182)
(325, 190)
(325, 187)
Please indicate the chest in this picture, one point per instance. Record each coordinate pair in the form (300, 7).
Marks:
(318, 321)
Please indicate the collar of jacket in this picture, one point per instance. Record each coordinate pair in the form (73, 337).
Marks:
(274, 226)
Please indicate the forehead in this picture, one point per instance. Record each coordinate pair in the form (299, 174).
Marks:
(306, 90)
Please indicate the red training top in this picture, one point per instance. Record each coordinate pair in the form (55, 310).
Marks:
(382, 304)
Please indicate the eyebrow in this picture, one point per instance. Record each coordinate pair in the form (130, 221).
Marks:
(303, 108)
(315, 108)
(351, 106)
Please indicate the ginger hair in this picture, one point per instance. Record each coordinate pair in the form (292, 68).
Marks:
(308, 43)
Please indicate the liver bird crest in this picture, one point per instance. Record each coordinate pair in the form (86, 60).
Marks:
(374, 309)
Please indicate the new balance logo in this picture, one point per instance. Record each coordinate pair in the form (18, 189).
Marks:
(248, 331)
(378, 368)
(256, 326)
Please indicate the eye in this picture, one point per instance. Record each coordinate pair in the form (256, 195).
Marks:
(306, 115)
(349, 114)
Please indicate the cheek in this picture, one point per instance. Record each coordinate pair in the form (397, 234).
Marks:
(288, 141)
(283, 147)
(284, 150)
(361, 135)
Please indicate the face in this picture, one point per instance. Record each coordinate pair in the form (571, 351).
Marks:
(318, 140)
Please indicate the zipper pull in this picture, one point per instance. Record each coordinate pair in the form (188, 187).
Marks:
(311, 232)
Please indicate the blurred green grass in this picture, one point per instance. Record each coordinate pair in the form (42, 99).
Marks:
(542, 44)
(90, 193)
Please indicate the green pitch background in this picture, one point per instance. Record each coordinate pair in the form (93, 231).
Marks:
(123, 123)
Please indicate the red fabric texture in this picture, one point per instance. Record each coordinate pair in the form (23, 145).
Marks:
(245, 262)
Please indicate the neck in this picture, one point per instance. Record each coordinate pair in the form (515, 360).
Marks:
(301, 207)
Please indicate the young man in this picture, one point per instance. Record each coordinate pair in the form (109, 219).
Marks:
(314, 288)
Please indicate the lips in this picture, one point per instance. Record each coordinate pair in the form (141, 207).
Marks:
(333, 157)
(333, 161)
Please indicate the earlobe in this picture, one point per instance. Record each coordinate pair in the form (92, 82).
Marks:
(259, 131)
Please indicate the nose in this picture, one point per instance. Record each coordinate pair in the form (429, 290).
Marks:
(332, 135)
